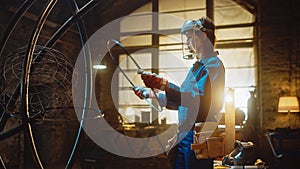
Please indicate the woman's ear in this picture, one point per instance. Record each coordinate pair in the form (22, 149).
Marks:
(202, 35)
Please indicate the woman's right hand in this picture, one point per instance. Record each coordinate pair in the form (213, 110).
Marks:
(155, 81)
(143, 92)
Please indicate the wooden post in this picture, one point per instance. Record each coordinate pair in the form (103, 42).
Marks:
(155, 53)
(229, 121)
(210, 9)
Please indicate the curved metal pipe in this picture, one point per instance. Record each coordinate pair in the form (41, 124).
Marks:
(3, 119)
(91, 4)
(39, 24)
(140, 70)
(11, 132)
(2, 163)
(26, 65)
(88, 78)
(56, 36)
(3, 40)
(126, 52)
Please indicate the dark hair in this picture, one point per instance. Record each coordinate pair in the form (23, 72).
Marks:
(208, 28)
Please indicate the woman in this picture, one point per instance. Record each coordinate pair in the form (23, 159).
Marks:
(199, 98)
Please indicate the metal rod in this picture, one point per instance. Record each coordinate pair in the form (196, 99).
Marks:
(127, 53)
(88, 92)
(3, 40)
(5, 35)
(116, 63)
(55, 37)
(140, 70)
(3, 119)
(2, 163)
(269, 135)
(50, 43)
(26, 65)
(11, 132)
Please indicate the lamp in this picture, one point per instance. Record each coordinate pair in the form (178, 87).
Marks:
(99, 66)
(288, 104)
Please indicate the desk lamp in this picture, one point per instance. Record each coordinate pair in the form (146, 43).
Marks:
(288, 104)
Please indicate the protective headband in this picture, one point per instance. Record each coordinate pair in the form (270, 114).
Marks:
(194, 25)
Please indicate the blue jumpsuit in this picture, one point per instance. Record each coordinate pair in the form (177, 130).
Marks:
(198, 99)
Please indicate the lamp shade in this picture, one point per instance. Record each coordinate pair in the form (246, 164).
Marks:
(99, 66)
(288, 104)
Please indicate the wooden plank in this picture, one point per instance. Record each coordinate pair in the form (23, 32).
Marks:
(229, 121)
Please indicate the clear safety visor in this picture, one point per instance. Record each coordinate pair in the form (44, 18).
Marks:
(188, 45)
(185, 50)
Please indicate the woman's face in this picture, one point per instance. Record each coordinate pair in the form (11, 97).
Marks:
(194, 41)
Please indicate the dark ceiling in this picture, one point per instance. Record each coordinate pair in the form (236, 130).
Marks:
(100, 13)
(103, 11)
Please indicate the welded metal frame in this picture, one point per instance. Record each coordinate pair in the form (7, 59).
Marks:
(22, 88)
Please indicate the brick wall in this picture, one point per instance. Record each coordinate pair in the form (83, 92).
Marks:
(279, 62)
(279, 58)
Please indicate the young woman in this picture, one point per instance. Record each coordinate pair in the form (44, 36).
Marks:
(200, 96)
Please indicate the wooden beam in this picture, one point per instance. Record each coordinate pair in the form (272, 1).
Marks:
(33, 17)
(210, 9)
(177, 31)
(248, 6)
(58, 41)
(234, 45)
